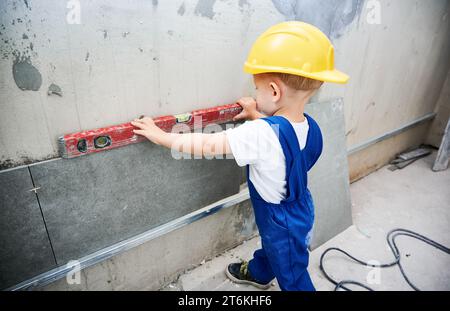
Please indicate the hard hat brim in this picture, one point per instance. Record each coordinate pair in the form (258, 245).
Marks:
(334, 76)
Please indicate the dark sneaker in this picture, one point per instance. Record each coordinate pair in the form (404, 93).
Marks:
(238, 273)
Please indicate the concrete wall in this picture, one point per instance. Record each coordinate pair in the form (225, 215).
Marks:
(125, 59)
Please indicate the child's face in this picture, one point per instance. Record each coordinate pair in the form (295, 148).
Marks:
(268, 93)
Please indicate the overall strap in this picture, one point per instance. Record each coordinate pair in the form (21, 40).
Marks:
(314, 143)
(298, 162)
(292, 153)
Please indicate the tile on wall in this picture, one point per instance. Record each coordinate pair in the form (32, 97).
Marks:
(328, 180)
(25, 248)
(96, 200)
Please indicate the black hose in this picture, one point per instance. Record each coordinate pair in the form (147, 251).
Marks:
(393, 246)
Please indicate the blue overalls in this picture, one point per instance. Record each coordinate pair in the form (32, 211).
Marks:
(285, 228)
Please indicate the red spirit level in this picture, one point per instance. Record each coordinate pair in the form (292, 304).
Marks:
(105, 138)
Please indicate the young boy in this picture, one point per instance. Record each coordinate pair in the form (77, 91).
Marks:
(289, 63)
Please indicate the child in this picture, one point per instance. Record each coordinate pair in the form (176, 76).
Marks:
(289, 63)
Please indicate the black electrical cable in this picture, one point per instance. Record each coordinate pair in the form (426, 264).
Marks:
(393, 246)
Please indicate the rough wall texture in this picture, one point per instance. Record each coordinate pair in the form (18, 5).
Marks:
(124, 59)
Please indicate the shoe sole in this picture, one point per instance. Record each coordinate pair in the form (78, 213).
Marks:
(236, 280)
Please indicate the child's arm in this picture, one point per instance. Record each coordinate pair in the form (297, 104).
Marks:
(195, 143)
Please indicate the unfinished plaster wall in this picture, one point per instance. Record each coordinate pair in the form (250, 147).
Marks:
(125, 59)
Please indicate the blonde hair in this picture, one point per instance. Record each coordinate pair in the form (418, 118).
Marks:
(298, 82)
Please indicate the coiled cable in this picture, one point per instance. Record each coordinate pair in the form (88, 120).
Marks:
(391, 236)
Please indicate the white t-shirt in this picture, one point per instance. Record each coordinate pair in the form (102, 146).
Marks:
(256, 143)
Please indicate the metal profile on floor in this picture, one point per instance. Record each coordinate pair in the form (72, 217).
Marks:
(108, 252)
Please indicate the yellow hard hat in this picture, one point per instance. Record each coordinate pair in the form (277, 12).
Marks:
(296, 48)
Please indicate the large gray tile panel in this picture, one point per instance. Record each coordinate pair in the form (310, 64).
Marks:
(94, 201)
(329, 179)
(25, 250)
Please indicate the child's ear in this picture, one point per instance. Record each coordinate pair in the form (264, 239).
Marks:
(276, 92)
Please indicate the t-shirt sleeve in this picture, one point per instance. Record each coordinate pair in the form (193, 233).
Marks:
(248, 141)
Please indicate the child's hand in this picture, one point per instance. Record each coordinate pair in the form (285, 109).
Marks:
(148, 128)
(249, 111)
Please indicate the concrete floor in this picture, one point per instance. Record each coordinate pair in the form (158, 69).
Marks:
(414, 198)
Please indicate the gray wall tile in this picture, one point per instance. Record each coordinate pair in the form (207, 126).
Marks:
(100, 199)
(328, 180)
(25, 250)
